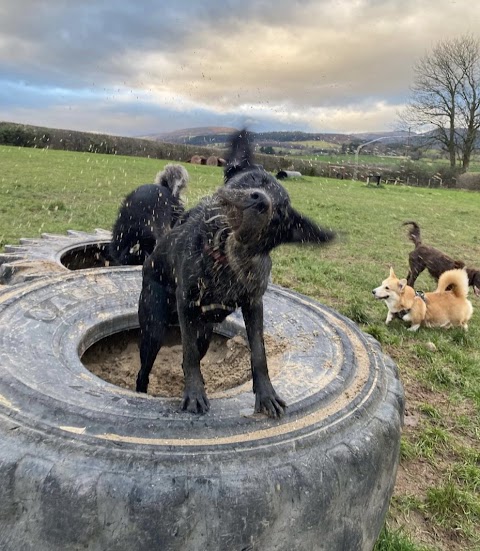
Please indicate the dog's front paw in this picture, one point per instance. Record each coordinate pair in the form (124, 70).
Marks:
(270, 404)
(195, 401)
(142, 383)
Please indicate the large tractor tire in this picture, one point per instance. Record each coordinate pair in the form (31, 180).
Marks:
(88, 465)
(53, 253)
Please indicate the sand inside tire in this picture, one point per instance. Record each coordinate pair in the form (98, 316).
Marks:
(226, 365)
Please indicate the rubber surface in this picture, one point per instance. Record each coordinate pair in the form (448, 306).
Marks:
(53, 253)
(88, 465)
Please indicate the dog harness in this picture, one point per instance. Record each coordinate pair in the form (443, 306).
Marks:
(216, 254)
(419, 294)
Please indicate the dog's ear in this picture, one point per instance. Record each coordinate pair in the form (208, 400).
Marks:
(297, 228)
(392, 273)
(240, 156)
(402, 284)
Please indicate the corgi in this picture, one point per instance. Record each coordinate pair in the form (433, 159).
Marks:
(442, 308)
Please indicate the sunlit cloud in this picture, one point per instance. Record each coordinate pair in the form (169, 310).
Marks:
(335, 65)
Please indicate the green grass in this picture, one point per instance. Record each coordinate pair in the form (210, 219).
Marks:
(339, 158)
(44, 190)
(431, 442)
(52, 191)
(397, 540)
(380, 161)
(454, 509)
(314, 144)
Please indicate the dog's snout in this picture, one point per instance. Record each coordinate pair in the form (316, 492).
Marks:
(373, 291)
(259, 201)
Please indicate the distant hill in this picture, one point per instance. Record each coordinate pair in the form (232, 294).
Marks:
(368, 136)
(203, 135)
(219, 136)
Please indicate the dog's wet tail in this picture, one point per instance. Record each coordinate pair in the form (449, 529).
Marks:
(174, 177)
(454, 280)
(414, 233)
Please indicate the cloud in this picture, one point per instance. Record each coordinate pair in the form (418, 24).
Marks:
(333, 65)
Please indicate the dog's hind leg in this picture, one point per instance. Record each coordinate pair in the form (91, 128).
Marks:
(203, 339)
(266, 399)
(154, 313)
(195, 341)
(412, 275)
(416, 265)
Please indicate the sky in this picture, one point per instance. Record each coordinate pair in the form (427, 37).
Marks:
(134, 67)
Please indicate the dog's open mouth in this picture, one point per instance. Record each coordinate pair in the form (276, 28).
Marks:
(476, 291)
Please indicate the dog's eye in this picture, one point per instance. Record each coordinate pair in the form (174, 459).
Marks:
(255, 195)
(387, 288)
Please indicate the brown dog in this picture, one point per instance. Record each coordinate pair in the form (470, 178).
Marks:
(436, 262)
(442, 308)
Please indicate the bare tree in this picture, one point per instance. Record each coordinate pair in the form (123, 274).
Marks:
(446, 97)
(468, 101)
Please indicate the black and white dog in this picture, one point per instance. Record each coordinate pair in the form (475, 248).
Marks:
(214, 260)
(146, 214)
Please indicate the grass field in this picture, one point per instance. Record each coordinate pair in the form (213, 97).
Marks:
(436, 504)
(316, 144)
(381, 160)
(384, 161)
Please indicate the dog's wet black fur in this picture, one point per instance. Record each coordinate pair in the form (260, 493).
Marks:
(426, 257)
(215, 260)
(145, 215)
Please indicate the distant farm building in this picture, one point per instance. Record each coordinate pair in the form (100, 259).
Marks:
(198, 160)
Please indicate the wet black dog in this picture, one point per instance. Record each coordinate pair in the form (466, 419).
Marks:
(436, 262)
(213, 261)
(146, 214)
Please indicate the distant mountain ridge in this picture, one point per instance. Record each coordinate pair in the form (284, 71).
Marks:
(178, 136)
(219, 135)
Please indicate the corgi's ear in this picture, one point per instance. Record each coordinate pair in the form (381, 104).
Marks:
(392, 273)
(402, 284)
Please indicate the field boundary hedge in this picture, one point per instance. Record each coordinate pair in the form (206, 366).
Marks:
(409, 173)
